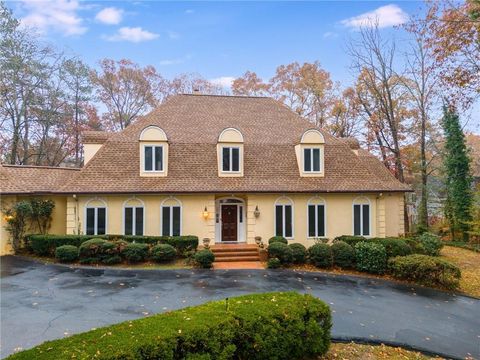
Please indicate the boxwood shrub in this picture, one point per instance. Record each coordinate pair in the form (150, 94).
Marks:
(425, 270)
(280, 251)
(273, 263)
(277, 239)
(163, 252)
(394, 246)
(350, 239)
(262, 326)
(343, 255)
(321, 255)
(66, 253)
(371, 257)
(96, 249)
(431, 244)
(299, 253)
(204, 258)
(134, 252)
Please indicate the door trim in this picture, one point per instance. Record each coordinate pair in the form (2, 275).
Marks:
(241, 226)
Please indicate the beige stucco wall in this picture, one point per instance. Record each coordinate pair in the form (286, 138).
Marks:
(394, 210)
(89, 150)
(58, 225)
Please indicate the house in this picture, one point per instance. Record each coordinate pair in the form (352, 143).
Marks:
(226, 168)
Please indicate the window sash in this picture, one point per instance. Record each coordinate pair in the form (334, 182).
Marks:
(316, 220)
(133, 218)
(153, 158)
(96, 221)
(230, 159)
(284, 221)
(361, 219)
(311, 160)
(171, 220)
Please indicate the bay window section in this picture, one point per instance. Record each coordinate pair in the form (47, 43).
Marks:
(171, 220)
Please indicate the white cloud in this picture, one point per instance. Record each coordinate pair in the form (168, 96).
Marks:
(330, 35)
(224, 81)
(384, 16)
(110, 16)
(132, 34)
(60, 16)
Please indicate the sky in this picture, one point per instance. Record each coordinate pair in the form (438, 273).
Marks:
(218, 40)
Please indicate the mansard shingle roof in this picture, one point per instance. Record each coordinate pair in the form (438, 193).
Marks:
(193, 123)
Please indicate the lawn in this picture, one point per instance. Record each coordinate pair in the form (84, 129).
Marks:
(352, 351)
(469, 263)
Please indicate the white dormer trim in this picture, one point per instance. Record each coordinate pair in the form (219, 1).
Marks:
(311, 139)
(230, 138)
(153, 136)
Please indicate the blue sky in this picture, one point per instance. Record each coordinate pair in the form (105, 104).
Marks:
(219, 40)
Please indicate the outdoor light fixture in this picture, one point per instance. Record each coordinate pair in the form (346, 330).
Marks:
(205, 213)
(256, 212)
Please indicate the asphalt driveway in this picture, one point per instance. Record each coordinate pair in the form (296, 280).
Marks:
(42, 302)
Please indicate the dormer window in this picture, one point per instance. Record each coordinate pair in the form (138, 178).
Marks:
(230, 153)
(311, 159)
(230, 159)
(153, 152)
(153, 157)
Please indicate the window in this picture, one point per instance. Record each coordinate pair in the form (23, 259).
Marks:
(361, 219)
(153, 160)
(133, 221)
(171, 220)
(311, 159)
(230, 159)
(284, 220)
(96, 218)
(316, 220)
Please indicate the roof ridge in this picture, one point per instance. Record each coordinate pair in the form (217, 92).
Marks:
(40, 167)
(227, 96)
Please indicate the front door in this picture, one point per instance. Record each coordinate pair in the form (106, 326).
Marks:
(229, 222)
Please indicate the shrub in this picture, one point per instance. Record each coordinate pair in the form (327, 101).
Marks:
(277, 239)
(163, 252)
(371, 257)
(204, 258)
(395, 247)
(261, 326)
(320, 255)
(273, 263)
(343, 255)
(66, 253)
(431, 244)
(94, 248)
(44, 245)
(280, 251)
(425, 270)
(134, 252)
(299, 253)
(350, 239)
(112, 260)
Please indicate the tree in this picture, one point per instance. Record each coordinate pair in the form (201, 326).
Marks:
(189, 83)
(458, 180)
(345, 117)
(249, 84)
(127, 90)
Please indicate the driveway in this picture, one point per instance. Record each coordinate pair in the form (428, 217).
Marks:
(42, 302)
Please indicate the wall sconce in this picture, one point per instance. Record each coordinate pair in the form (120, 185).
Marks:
(205, 213)
(256, 212)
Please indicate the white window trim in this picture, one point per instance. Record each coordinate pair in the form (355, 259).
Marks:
(95, 217)
(362, 201)
(311, 148)
(314, 202)
(283, 217)
(162, 205)
(153, 146)
(231, 159)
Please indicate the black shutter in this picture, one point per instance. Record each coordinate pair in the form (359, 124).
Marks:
(139, 221)
(278, 220)
(311, 221)
(176, 220)
(307, 161)
(321, 220)
(101, 221)
(288, 221)
(356, 220)
(90, 221)
(165, 221)
(128, 221)
(366, 220)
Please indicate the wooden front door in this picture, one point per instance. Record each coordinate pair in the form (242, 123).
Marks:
(229, 222)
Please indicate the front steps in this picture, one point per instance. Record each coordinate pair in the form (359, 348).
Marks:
(236, 256)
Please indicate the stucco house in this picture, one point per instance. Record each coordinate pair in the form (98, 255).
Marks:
(223, 167)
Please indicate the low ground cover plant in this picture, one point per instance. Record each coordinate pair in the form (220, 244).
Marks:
(261, 326)
(426, 270)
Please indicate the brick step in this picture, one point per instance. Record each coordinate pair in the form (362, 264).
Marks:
(216, 249)
(237, 259)
(235, 253)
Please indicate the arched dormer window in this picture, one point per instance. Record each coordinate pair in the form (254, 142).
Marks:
(284, 217)
(317, 217)
(230, 153)
(153, 152)
(310, 153)
(361, 216)
(171, 217)
(95, 217)
(133, 217)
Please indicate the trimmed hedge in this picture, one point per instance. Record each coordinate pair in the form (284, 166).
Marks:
(371, 257)
(280, 251)
(299, 253)
(261, 326)
(395, 247)
(321, 255)
(425, 270)
(204, 258)
(277, 239)
(163, 252)
(45, 245)
(343, 255)
(134, 252)
(350, 239)
(66, 253)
